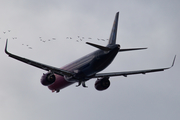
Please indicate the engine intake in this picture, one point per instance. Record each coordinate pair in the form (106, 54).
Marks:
(102, 84)
(48, 79)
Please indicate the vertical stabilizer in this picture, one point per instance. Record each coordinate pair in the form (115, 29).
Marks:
(112, 39)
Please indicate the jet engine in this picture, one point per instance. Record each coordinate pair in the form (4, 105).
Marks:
(48, 79)
(102, 83)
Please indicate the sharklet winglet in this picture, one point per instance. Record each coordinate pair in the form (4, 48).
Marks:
(6, 47)
(173, 61)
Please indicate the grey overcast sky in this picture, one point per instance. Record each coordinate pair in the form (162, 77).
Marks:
(142, 23)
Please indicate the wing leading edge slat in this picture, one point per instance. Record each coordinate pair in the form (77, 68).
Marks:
(39, 65)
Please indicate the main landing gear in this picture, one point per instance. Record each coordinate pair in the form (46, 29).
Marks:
(81, 82)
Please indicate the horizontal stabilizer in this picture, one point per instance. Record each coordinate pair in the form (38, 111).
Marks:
(99, 46)
(131, 49)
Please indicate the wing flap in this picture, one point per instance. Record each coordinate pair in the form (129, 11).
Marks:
(126, 73)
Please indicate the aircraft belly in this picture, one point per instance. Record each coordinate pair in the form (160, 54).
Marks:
(60, 83)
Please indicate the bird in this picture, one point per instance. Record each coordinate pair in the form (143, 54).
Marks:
(14, 37)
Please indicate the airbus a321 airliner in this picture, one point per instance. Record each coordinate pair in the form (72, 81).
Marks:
(87, 67)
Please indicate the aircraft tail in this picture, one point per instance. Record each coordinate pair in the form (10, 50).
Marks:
(112, 38)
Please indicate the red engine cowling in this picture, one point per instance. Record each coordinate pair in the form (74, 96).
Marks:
(48, 79)
(102, 84)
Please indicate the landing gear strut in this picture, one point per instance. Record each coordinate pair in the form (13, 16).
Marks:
(81, 82)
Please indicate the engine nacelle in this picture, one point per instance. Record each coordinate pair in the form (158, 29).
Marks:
(48, 79)
(102, 84)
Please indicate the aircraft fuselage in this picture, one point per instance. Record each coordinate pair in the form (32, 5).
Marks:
(86, 67)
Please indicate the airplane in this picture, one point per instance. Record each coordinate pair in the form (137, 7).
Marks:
(86, 67)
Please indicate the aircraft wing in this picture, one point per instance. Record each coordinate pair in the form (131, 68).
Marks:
(39, 65)
(126, 73)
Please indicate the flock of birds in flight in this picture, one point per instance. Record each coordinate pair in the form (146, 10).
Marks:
(78, 39)
(82, 38)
